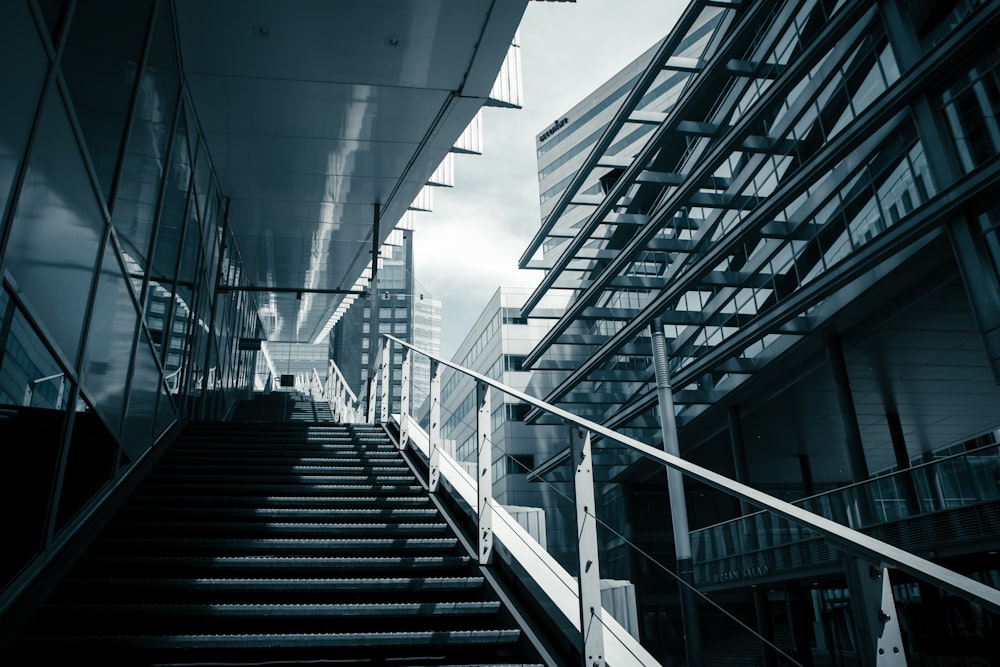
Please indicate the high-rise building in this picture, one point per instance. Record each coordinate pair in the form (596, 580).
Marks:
(495, 347)
(801, 196)
(404, 312)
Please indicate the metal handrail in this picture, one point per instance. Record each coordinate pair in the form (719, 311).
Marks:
(849, 540)
(29, 390)
(338, 394)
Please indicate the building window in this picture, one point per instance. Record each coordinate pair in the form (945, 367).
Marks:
(520, 464)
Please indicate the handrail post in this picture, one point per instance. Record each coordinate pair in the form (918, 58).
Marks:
(434, 433)
(386, 379)
(484, 467)
(373, 382)
(873, 611)
(404, 400)
(678, 503)
(589, 580)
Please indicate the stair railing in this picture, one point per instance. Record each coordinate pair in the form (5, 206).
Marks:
(337, 392)
(602, 639)
(29, 390)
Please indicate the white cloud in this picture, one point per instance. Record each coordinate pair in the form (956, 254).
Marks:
(470, 244)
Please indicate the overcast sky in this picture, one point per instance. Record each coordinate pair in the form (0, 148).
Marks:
(471, 242)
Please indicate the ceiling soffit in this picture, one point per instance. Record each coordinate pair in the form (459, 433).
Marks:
(316, 110)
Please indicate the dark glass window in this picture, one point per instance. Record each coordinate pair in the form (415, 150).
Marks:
(100, 65)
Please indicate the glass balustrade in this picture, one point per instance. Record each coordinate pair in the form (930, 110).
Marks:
(939, 485)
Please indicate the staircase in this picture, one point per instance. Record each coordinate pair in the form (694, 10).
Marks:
(253, 543)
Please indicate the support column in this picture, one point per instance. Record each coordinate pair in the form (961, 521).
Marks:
(738, 444)
(805, 468)
(848, 415)
(678, 503)
(765, 628)
(903, 463)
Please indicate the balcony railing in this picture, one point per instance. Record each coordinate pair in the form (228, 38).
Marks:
(905, 507)
(575, 602)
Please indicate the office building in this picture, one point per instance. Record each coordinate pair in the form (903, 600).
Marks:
(404, 312)
(811, 220)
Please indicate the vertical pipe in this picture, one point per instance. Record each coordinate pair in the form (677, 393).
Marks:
(484, 476)
(678, 504)
(765, 627)
(591, 626)
(373, 315)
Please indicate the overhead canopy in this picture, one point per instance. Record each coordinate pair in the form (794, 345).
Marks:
(316, 111)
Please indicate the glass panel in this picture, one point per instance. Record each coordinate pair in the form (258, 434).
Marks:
(20, 45)
(109, 343)
(54, 12)
(33, 395)
(90, 464)
(54, 243)
(166, 412)
(143, 389)
(168, 237)
(139, 185)
(100, 65)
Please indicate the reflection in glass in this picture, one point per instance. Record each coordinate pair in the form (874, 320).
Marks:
(163, 264)
(100, 66)
(145, 160)
(143, 391)
(109, 343)
(20, 45)
(56, 232)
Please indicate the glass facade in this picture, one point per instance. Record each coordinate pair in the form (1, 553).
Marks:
(802, 196)
(113, 235)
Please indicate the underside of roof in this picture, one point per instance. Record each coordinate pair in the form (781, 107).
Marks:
(324, 122)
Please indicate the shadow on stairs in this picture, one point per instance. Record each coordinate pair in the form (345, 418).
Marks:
(278, 544)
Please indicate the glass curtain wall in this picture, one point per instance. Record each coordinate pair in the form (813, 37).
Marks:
(114, 240)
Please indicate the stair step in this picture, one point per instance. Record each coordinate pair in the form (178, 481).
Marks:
(175, 512)
(271, 545)
(267, 468)
(246, 544)
(347, 640)
(265, 527)
(280, 563)
(282, 585)
(144, 499)
(478, 608)
(311, 456)
(283, 489)
(278, 478)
